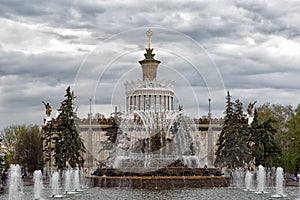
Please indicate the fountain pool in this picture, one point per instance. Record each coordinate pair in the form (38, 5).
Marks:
(174, 194)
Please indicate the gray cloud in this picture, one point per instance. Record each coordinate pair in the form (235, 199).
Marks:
(47, 45)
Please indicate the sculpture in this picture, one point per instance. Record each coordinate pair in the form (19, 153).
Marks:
(48, 108)
(250, 108)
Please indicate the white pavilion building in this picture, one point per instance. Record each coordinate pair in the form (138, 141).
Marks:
(149, 94)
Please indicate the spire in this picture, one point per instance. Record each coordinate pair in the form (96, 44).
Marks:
(149, 64)
(148, 55)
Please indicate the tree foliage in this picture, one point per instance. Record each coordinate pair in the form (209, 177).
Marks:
(233, 144)
(292, 143)
(68, 146)
(224, 138)
(49, 130)
(273, 139)
(1, 157)
(265, 148)
(22, 145)
(29, 149)
(279, 117)
(10, 136)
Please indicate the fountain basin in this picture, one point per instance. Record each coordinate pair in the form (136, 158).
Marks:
(160, 182)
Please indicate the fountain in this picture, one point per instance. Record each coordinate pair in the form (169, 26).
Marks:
(15, 183)
(299, 190)
(67, 177)
(261, 175)
(156, 141)
(72, 181)
(55, 185)
(238, 177)
(156, 145)
(38, 184)
(248, 180)
(279, 183)
(76, 180)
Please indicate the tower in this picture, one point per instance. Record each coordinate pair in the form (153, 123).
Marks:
(149, 64)
(149, 94)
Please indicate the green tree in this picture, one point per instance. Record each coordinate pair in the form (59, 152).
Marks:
(68, 146)
(265, 148)
(1, 157)
(233, 146)
(240, 132)
(225, 136)
(29, 149)
(10, 136)
(278, 117)
(48, 130)
(279, 114)
(292, 144)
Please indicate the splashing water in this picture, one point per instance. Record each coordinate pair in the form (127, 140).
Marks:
(248, 180)
(76, 180)
(261, 174)
(67, 175)
(55, 184)
(38, 184)
(279, 183)
(173, 131)
(15, 183)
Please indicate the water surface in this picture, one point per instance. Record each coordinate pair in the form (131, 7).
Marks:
(173, 194)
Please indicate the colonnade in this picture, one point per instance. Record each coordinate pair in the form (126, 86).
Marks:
(158, 103)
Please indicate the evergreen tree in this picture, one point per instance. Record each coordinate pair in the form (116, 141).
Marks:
(234, 141)
(224, 138)
(48, 133)
(265, 147)
(68, 145)
(1, 157)
(241, 150)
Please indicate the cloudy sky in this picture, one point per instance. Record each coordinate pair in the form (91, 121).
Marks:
(251, 48)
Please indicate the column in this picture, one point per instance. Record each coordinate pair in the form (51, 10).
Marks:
(157, 103)
(134, 102)
(160, 103)
(152, 102)
(149, 102)
(168, 100)
(144, 102)
(130, 104)
(165, 106)
(139, 102)
(127, 104)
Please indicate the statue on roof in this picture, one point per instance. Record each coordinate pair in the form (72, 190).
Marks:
(48, 108)
(149, 34)
(250, 108)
